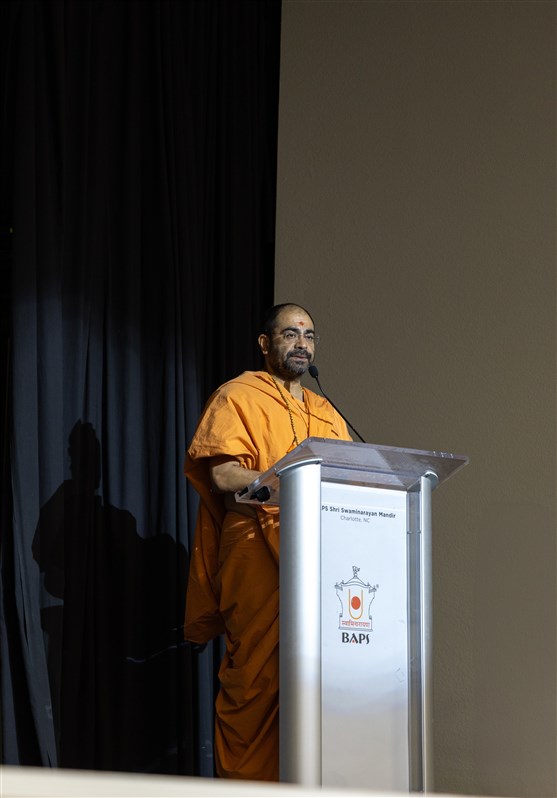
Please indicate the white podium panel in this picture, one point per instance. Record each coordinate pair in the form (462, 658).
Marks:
(364, 638)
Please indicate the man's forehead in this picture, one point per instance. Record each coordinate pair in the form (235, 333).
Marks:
(294, 317)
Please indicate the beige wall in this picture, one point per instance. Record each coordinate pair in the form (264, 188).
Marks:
(416, 219)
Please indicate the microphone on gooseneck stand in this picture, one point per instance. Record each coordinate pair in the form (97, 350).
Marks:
(313, 370)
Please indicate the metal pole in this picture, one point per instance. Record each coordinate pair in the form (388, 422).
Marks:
(427, 483)
(300, 624)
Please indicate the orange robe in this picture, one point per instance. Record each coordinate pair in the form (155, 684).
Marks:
(234, 579)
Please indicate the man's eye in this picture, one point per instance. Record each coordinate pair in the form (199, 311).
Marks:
(289, 336)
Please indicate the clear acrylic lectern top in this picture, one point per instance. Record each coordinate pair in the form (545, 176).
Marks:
(372, 465)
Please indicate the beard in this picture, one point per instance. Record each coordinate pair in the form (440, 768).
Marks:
(296, 366)
(291, 365)
(295, 363)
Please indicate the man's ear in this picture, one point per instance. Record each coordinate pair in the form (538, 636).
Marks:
(263, 342)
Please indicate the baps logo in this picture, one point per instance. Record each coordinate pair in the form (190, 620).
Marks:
(359, 639)
(355, 619)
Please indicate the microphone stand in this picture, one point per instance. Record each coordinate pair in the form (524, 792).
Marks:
(314, 372)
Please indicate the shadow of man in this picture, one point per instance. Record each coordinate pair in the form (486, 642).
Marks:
(111, 601)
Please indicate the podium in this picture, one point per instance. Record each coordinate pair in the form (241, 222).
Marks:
(355, 612)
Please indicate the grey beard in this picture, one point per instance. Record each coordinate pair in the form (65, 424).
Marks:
(292, 367)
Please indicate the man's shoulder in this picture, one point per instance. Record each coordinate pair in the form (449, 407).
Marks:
(252, 386)
(316, 399)
(246, 381)
(262, 381)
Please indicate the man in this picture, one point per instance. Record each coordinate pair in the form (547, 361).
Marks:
(247, 425)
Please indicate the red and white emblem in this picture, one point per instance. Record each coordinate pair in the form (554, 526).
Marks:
(356, 598)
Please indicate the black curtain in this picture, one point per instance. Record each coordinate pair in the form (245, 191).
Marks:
(138, 178)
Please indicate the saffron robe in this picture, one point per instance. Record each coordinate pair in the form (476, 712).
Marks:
(234, 578)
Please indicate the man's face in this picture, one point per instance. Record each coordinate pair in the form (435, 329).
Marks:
(289, 350)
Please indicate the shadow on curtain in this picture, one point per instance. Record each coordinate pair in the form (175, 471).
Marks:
(139, 176)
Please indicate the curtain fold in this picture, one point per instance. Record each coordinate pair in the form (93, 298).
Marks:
(142, 163)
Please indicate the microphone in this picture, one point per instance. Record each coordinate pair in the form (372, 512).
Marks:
(314, 371)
